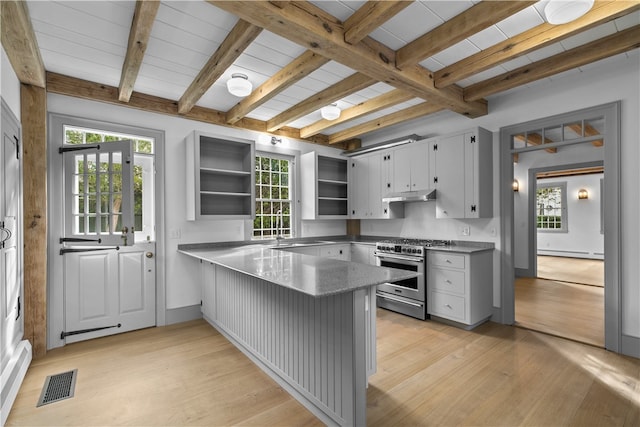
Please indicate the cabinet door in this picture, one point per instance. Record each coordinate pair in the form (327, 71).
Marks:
(449, 164)
(375, 208)
(358, 187)
(419, 166)
(402, 169)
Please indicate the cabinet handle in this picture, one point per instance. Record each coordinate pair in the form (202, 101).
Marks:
(448, 281)
(448, 306)
(448, 261)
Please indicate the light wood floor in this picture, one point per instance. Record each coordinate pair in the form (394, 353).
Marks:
(428, 374)
(573, 270)
(567, 299)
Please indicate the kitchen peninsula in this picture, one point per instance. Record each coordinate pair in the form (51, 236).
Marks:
(307, 321)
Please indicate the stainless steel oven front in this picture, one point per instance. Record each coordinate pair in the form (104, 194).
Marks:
(404, 296)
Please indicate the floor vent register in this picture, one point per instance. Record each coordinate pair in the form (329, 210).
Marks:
(58, 387)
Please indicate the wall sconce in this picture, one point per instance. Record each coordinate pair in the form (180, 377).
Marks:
(515, 185)
(583, 194)
(275, 140)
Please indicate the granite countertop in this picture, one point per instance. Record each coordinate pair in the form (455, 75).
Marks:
(312, 275)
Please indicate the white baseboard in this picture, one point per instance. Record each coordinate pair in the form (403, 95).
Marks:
(12, 377)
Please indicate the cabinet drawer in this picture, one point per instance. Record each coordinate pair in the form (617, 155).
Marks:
(441, 279)
(446, 260)
(447, 306)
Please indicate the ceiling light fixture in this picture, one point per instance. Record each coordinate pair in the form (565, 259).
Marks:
(330, 112)
(562, 11)
(239, 85)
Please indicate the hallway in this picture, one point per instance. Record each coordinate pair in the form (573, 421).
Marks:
(563, 307)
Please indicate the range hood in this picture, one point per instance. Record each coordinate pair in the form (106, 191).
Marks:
(411, 196)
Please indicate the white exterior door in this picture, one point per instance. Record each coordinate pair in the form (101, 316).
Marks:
(109, 281)
(11, 318)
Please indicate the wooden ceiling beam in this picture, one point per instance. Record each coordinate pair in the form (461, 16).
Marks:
(309, 26)
(240, 37)
(299, 68)
(614, 44)
(533, 39)
(378, 103)
(143, 18)
(370, 16)
(20, 43)
(473, 20)
(570, 172)
(536, 139)
(71, 86)
(407, 114)
(333, 93)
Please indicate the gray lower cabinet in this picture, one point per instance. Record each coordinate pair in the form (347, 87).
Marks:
(460, 286)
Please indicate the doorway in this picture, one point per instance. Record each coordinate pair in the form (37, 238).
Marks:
(562, 293)
(557, 137)
(103, 241)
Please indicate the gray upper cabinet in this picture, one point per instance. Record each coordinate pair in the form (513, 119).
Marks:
(461, 171)
(410, 167)
(324, 187)
(220, 177)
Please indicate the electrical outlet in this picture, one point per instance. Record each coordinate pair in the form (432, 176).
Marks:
(465, 230)
(175, 233)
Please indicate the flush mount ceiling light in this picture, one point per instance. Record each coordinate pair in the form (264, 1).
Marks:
(330, 112)
(239, 85)
(562, 11)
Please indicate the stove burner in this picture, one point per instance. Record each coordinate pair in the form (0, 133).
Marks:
(414, 247)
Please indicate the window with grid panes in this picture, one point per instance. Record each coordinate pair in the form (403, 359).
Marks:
(551, 202)
(143, 177)
(274, 213)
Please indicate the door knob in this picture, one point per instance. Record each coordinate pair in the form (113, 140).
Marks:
(149, 254)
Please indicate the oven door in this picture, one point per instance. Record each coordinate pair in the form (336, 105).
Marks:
(409, 288)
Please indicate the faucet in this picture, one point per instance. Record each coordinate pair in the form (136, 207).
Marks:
(279, 230)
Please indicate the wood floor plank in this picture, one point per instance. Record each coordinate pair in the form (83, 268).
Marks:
(573, 270)
(428, 374)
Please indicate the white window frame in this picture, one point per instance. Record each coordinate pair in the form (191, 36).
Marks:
(563, 208)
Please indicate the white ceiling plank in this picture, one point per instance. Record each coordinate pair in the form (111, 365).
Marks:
(178, 11)
(411, 22)
(82, 68)
(545, 52)
(279, 44)
(118, 13)
(340, 9)
(589, 35)
(189, 40)
(446, 10)
(81, 52)
(628, 21)
(488, 37)
(516, 63)
(455, 53)
(45, 29)
(520, 22)
(386, 38)
(487, 74)
(432, 64)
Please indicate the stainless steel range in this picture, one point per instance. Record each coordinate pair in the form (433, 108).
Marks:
(405, 296)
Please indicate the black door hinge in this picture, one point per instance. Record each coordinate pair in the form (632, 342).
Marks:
(473, 208)
(435, 179)
(473, 139)
(435, 147)
(17, 147)
(19, 308)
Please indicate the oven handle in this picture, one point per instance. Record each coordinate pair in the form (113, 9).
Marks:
(402, 257)
(398, 300)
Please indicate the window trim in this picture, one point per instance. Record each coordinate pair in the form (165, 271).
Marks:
(294, 190)
(563, 210)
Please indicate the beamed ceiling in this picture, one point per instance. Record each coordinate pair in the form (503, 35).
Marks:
(382, 62)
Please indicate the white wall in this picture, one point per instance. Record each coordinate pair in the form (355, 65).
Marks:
(9, 85)
(583, 238)
(573, 154)
(182, 282)
(607, 81)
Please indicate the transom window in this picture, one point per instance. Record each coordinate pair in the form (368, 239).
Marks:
(551, 202)
(274, 184)
(143, 176)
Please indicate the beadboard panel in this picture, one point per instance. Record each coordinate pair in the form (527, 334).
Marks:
(315, 345)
